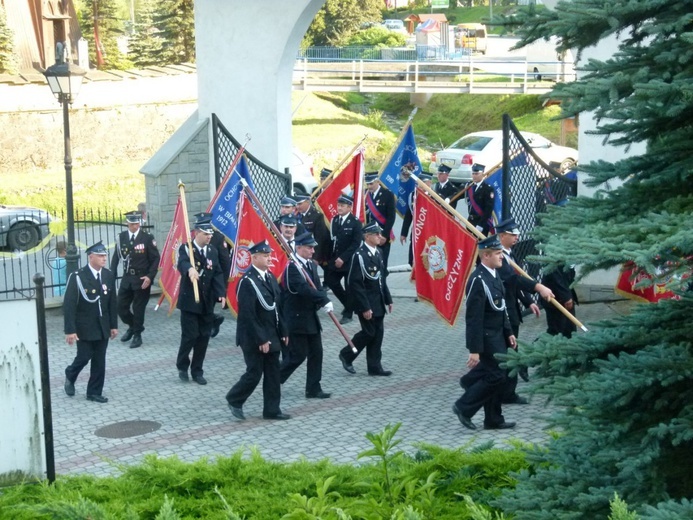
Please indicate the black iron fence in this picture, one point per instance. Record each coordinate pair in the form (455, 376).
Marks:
(18, 267)
(531, 186)
(270, 184)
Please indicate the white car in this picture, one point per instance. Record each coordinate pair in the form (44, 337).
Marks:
(302, 178)
(487, 148)
(396, 26)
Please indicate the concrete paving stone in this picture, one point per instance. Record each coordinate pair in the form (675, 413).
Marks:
(426, 355)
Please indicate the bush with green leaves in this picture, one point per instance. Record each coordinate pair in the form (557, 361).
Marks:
(378, 37)
(7, 56)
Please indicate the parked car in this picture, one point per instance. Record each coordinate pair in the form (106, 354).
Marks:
(396, 26)
(22, 227)
(487, 148)
(302, 178)
(543, 62)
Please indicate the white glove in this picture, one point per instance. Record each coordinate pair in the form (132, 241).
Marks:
(479, 228)
(447, 200)
(328, 308)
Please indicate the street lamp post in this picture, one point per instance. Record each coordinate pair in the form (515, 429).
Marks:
(65, 80)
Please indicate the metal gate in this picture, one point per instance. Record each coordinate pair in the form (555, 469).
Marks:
(270, 184)
(529, 188)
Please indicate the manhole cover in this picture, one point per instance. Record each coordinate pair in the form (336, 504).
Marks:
(125, 429)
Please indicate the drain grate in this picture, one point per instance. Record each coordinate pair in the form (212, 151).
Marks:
(125, 429)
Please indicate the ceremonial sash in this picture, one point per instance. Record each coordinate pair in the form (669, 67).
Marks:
(377, 215)
(477, 208)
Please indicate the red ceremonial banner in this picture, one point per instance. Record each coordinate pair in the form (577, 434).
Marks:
(347, 182)
(631, 276)
(444, 256)
(251, 230)
(169, 281)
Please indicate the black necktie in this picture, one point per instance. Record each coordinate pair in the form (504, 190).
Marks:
(132, 239)
(98, 280)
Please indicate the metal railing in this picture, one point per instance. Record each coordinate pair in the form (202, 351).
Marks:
(370, 53)
(17, 268)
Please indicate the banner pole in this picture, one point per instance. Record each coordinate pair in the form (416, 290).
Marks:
(480, 235)
(184, 207)
(229, 172)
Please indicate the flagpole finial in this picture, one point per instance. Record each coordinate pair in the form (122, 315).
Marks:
(180, 183)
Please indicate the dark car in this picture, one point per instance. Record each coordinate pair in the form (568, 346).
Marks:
(22, 227)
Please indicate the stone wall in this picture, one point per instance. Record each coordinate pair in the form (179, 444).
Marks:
(33, 140)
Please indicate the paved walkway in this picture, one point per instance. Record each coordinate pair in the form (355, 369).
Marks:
(426, 355)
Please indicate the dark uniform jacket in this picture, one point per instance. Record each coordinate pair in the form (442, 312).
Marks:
(346, 239)
(90, 309)
(487, 327)
(300, 301)
(224, 249)
(211, 285)
(366, 287)
(559, 281)
(481, 210)
(386, 206)
(517, 288)
(314, 221)
(259, 315)
(447, 191)
(139, 259)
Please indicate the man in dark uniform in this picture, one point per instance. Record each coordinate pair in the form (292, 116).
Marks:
(314, 222)
(370, 299)
(408, 217)
(517, 290)
(559, 281)
(197, 318)
(444, 187)
(488, 333)
(91, 319)
(300, 303)
(224, 249)
(287, 207)
(381, 207)
(345, 229)
(287, 227)
(480, 199)
(140, 257)
(260, 332)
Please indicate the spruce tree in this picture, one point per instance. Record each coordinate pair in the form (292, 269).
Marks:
(175, 20)
(625, 423)
(7, 57)
(145, 44)
(104, 15)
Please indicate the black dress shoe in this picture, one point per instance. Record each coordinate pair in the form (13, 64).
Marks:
(136, 341)
(127, 336)
(518, 399)
(199, 380)
(183, 375)
(523, 373)
(97, 398)
(69, 387)
(381, 372)
(218, 320)
(237, 412)
(279, 417)
(501, 426)
(466, 421)
(318, 395)
(346, 365)
(345, 319)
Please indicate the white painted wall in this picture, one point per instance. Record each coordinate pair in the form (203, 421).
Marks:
(245, 57)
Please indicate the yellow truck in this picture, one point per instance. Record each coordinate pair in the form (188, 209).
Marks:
(472, 36)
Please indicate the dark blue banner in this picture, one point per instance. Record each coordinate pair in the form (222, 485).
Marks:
(225, 212)
(397, 173)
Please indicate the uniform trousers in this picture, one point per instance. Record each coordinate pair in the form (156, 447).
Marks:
(302, 346)
(369, 337)
(333, 280)
(94, 351)
(195, 333)
(483, 385)
(258, 366)
(509, 393)
(557, 323)
(130, 293)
